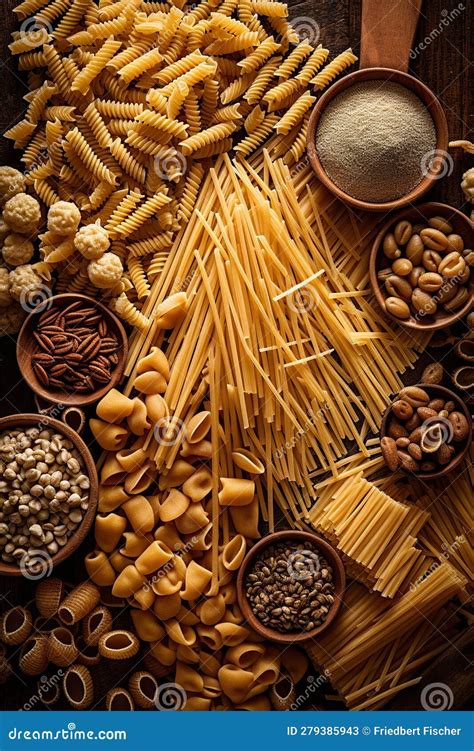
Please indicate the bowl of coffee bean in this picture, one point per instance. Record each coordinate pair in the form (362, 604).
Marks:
(422, 266)
(426, 431)
(290, 586)
(71, 350)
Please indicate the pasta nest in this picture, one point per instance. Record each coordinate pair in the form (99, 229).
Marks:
(105, 272)
(63, 218)
(17, 250)
(22, 213)
(92, 241)
(12, 182)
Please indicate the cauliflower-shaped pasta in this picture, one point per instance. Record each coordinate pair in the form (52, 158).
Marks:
(5, 296)
(12, 182)
(63, 218)
(17, 250)
(468, 184)
(105, 272)
(11, 319)
(92, 241)
(25, 283)
(22, 213)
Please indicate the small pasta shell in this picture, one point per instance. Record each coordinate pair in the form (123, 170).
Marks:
(78, 687)
(236, 491)
(247, 461)
(62, 649)
(16, 626)
(34, 655)
(143, 688)
(234, 553)
(118, 645)
(119, 700)
(198, 485)
(78, 603)
(48, 596)
(95, 624)
(198, 427)
(174, 505)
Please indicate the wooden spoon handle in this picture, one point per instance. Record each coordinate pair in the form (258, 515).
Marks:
(387, 33)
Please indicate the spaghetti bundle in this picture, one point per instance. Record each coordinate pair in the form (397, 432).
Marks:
(375, 534)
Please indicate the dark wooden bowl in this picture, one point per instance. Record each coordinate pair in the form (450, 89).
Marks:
(463, 447)
(462, 225)
(426, 96)
(44, 421)
(26, 347)
(339, 579)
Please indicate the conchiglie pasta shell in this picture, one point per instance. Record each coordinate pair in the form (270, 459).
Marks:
(128, 582)
(212, 610)
(95, 624)
(247, 461)
(202, 539)
(174, 505)
(177, 475)
(209, 664)
(119, 700)
(138, 421)
(171, 311)
(34, 655)
(188, 678)
(211, 688)
(135, 544)
(118, 645)
(143, 688)
(198, 485)
(16, 626)
(48, 596)
(114, 407)
(99, 568)
(245, 519)
(62, 649)
(235, 682)
(147, 626)
(143, 598)
(111, 497)
(78, 687)
(180, 634)
(234, 615)
(108, 530)
(131, 459)
(192, 520)
(154, 557)
(118, 562)
(232, 634)
(164, 653)
(168, 535)
(234, 553)
(236, 491)
(78, 603)
(155, 360)
(245, 655)
(109, 437)
(172, 581)
(137, 482)
(167, 606)
(196, 581)
(209, 636)
(139, 513)
(112, 472)
(189, 655)
(156, 408)
(150, 383)
(201, 450)
(198, 427)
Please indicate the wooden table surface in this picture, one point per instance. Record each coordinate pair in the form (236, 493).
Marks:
(444, 65)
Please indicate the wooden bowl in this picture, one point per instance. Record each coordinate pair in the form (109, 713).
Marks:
(423, 93)
(339, 579)
(26, 347)
(437, 391)
(44, 421)
(462, 225)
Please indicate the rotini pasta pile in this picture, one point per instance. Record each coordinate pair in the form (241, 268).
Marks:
(129, 101)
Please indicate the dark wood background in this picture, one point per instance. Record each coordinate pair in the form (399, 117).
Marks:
(444, 65)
